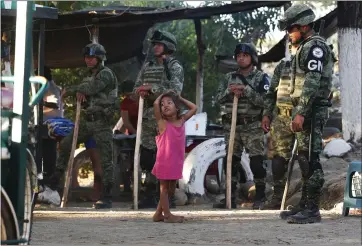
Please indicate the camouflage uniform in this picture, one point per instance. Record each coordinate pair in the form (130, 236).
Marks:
(100, 90)
(162, 77)
(249, 134)
(294, 93)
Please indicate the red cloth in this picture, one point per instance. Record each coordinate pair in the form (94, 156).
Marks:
(131, 107)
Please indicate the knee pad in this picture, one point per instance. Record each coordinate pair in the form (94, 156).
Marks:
(279, 167)
(304, 163)
(147, 159)
(257, 167)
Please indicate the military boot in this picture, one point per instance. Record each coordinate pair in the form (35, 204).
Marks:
(277, 197)
(300, 207)
(259, 200)
(106, 198)
(307, 216)
(222, 203)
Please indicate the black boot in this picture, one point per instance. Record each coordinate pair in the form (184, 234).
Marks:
(259, 200)
(106, 198)
(222, 204)
(277, 197)
(307, 216)
(300, 207)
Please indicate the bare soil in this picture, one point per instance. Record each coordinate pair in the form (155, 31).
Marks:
(78, 224)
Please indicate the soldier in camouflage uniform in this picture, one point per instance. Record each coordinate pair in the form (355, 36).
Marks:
(159, 75)
(250, 85)
(98, 94)
(310, 84)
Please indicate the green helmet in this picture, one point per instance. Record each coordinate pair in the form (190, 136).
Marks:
(165, 38)
(297, 14)
(248, 48)
(96, 50)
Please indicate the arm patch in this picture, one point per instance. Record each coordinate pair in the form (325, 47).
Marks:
(315, 59)
(264, 84)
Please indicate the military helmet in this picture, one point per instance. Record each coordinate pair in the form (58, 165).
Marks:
(248, 48)
(96, 50)
(297, 14)
(165, 38)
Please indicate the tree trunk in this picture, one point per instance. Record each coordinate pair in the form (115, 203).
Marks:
(350, 62)
(200, 66)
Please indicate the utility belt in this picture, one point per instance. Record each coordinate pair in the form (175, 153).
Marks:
(285, 112)
(244, 120)
(95, 116)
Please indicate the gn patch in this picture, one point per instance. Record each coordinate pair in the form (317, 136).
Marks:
(315, 59)
(264, 84)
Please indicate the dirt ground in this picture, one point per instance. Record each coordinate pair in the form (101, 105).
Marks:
(80, 225)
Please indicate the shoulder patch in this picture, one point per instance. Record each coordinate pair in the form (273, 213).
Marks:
(264, 84)
(317, 52)
(314, 58)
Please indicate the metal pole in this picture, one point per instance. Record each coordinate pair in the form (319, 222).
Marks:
(39, 147)
(20, 121)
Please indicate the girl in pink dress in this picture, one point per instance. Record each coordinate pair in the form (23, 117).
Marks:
(170, 150)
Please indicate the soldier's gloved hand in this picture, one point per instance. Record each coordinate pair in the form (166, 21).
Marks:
(297, 123)
(265, 124)
(81, 97)
(143, 94)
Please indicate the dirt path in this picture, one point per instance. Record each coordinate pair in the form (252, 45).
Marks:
(205, 226)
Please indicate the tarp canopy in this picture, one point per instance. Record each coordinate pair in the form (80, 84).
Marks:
(277, 52)
(122, 29)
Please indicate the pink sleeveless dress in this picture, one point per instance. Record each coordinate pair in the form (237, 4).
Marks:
(170, 153)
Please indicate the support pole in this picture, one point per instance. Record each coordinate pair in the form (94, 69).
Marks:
(200, 66)
(39, 147)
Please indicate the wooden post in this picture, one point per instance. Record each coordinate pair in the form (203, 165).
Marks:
(200, 66)
(231, 152)
(71, 157)
(137, 153)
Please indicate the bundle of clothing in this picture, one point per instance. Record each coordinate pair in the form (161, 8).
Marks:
(59, 127)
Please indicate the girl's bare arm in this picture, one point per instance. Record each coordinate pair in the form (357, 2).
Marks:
(191, 106)
(158, 115)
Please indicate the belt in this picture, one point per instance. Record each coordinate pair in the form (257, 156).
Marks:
(95, 116)
(241, 120)
(285, 112)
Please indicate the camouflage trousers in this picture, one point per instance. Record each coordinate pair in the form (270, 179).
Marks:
(282, 144)
(251, 137)
(148, 153)
(102, 135)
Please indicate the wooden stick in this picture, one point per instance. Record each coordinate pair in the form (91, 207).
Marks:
(289, 174)
(230, 152)
(68, 176)
(137, 154)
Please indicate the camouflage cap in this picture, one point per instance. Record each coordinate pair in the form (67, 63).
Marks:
(165, 38)
(96, 50)
(248, 48)
(297, 14)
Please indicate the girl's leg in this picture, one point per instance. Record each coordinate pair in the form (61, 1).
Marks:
(168, 217)
(172, 189)
(158, 216)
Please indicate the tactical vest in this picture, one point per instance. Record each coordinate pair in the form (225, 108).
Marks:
(283, 93)
(245, 107)
(299, 74)
(107, 97)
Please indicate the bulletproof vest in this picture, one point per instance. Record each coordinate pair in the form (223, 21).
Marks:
(299, 73)
(283, 93)
(106, 97)
(245, 107)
